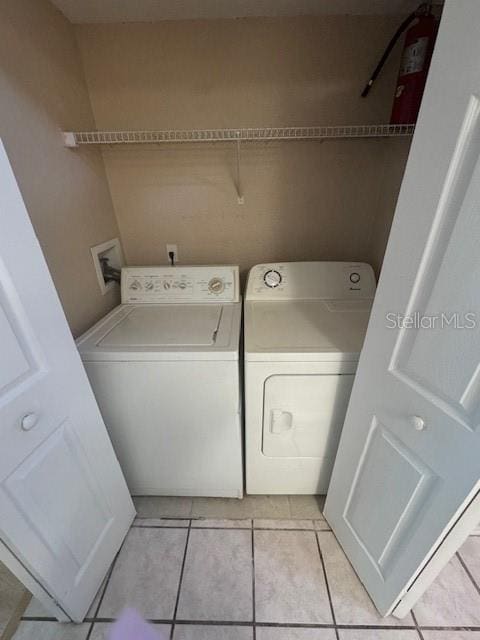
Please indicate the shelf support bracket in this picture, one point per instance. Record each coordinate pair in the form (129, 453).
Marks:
(69, 139)
(238, 183)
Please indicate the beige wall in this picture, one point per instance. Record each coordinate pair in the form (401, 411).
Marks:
(303, 200)
(395, 156)
(42, 91)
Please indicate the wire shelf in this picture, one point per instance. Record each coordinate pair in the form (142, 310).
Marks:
(76, 138)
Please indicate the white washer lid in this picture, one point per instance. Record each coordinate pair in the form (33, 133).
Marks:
(182, 325)
(315, 327)
(155, 332)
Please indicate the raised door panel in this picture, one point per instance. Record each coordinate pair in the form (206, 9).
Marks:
(20, 359)
(57, 515)
(390, 488)
(437, 354)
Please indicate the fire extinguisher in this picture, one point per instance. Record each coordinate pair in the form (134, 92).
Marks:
(416, 55)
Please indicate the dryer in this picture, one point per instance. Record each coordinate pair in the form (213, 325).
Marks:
(304, 327)
(164, 367)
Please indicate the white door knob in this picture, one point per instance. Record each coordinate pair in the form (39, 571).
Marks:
(418, 423)
(29, 421)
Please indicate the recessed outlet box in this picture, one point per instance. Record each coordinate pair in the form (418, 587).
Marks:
(172, 248)
(112, 251)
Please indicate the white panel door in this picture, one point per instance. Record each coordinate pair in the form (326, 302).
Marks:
(409, 456)
(64, 504)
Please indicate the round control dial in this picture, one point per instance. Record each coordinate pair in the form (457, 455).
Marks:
(216, 285)
(354, 277)
(272, 278)
(135, 285)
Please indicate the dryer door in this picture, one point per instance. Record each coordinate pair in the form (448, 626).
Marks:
(303, 414)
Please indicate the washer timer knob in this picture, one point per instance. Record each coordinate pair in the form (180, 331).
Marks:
(216, 285)
(354, 277)
(135, 285)
(272, 278)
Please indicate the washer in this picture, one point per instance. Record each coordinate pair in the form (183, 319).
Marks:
(164, 367)
(304, 327)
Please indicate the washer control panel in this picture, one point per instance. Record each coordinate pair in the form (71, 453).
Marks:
(144, 285)
(310, 280)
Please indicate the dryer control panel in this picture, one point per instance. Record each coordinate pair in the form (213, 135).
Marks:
(310, 280)
(180, 284)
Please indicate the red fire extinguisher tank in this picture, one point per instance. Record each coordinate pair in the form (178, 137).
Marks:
(417, 52)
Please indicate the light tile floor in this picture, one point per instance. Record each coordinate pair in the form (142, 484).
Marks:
(266, 575)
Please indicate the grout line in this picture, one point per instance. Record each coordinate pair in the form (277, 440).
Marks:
(156, 526)
(180, 580)
(237, 623)
(282, 625)
(286, 529)
(419, 631)
(186, 518)
(254, 632)
(107, 582)
(456, 628)
(287, 625)
(223, 528)
(102, 595)
(467, 571)
(90, 630)
(139, 523)
(327, 585)
(384, 627)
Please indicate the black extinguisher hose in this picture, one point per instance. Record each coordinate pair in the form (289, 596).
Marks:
(405, 24)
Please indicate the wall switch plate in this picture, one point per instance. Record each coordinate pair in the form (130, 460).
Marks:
(172, 248)
(113, 251)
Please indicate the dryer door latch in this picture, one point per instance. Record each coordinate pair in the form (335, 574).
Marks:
(280, 421)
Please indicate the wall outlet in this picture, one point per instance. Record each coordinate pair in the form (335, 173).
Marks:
(172, 248)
